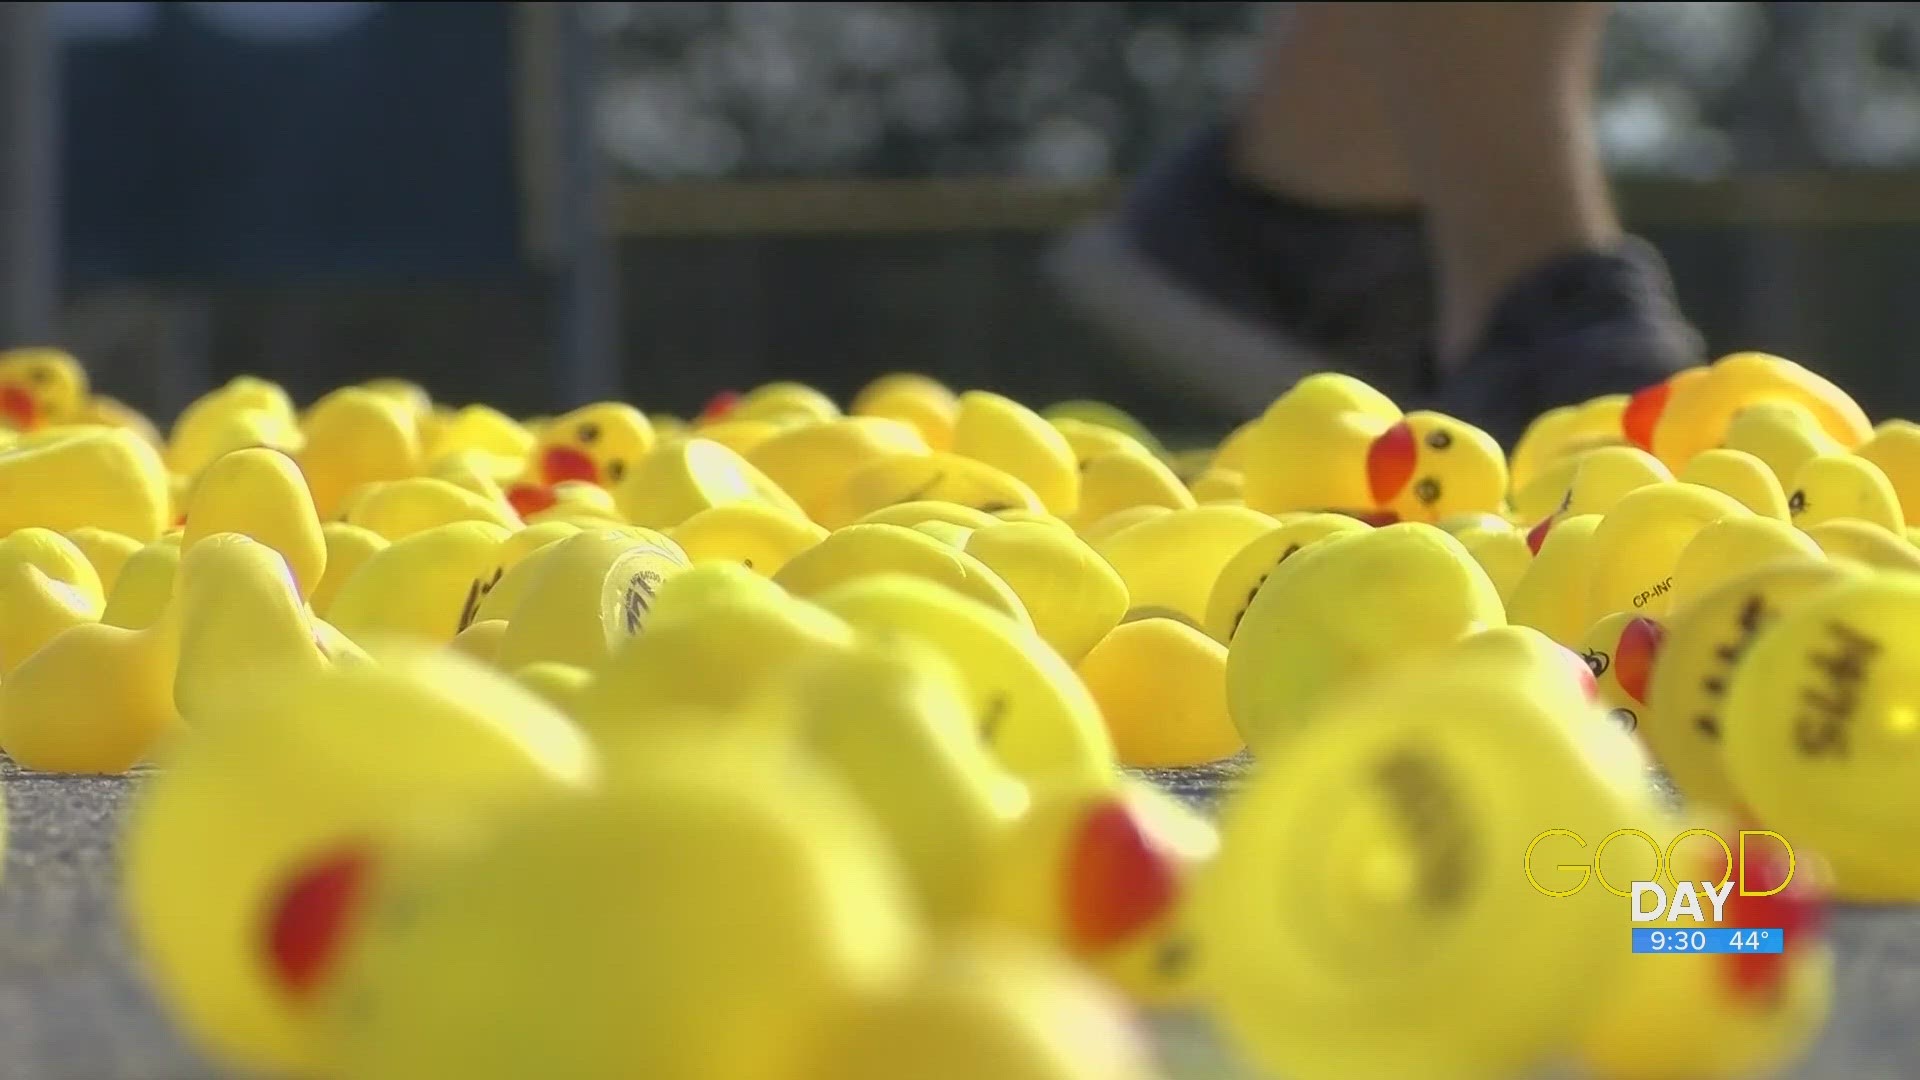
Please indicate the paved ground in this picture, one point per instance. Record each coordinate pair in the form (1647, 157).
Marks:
(73, 1007)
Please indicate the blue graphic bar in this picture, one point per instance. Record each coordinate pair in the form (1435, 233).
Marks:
(1719, 941)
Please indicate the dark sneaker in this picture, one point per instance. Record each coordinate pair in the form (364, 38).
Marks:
(1579, 327)
(1231, 293)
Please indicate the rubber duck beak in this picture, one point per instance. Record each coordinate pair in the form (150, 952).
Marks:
(19, 407)
(1643, 413)
(309, 921)
(530, 499)
(1117, 881)
(1391, 461)
(1537, 535)
(566, 463)
(1634, 655)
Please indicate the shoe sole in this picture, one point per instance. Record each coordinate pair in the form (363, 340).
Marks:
(1224, 360)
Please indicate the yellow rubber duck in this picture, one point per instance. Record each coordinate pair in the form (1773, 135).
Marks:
(1741, 475)
(1637, 544)
(1104, 875)
(1731, 548)
(244, 412)
(863, 550)
(238, 609)
(680, 479)
(1691, 411)
(1566, 432)
(1781, 434)
(1685, 722)
(259, 493)
(1032, 711)
(75, 695)
(1354, 868)
(1895, 448)
(1343, 609)
(1239, 580)
(1844, 486)
(670, 675)
(397, 509)
(1171, 562)
(754, 535)
(246, 855)
(1115, 480)
(600, 443)
(941, 477)
(585, 595)
(353, 437)
(41, 387)
(107, 550)
(428, 586)
(1161, 685)
(887, 715)
(1329, 445)
(348, 549)
(925, 403)
(578, 946)
(46, 586)
(1006, 435)
(812, 462)
(1822, 748)
(145, 587)
(104, 477)
(1072, 595)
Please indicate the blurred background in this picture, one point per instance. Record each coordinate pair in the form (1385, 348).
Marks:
(536, 204)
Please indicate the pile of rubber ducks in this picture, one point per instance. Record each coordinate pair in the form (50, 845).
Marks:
(785, 742)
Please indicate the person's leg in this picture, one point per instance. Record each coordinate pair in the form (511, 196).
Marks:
(1493, 104)
(1281, 241)
(1317, 125)
(1542, 301)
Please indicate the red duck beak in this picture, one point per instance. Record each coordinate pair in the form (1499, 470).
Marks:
(308, 922)
(1634, 655)
(566, 463)
(1537, 535)
(720, 405)
(1117, 881)
(1391, 461)
(530, 499)
(19, 407)
(1643, 413)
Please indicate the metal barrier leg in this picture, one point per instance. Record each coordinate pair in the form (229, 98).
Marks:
(29, 170)
(588, 294)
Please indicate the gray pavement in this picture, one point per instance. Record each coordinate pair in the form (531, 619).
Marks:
(73, 1005)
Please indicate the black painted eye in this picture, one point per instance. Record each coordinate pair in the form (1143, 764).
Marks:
(40, 376)
(1173, 957)
(991, 716)
(1625, 718)
(588, 433)
(1427, 491)
(1438, 440)
(1597, 662)
(1797, 502)
(616, 469)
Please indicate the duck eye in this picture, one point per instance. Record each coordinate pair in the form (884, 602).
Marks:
(616, 469)
(1597, 662)
(1427, 491)
(40, 376)
(1797, 502)
(588, 433)
(1439, 440)
(1625, 718)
